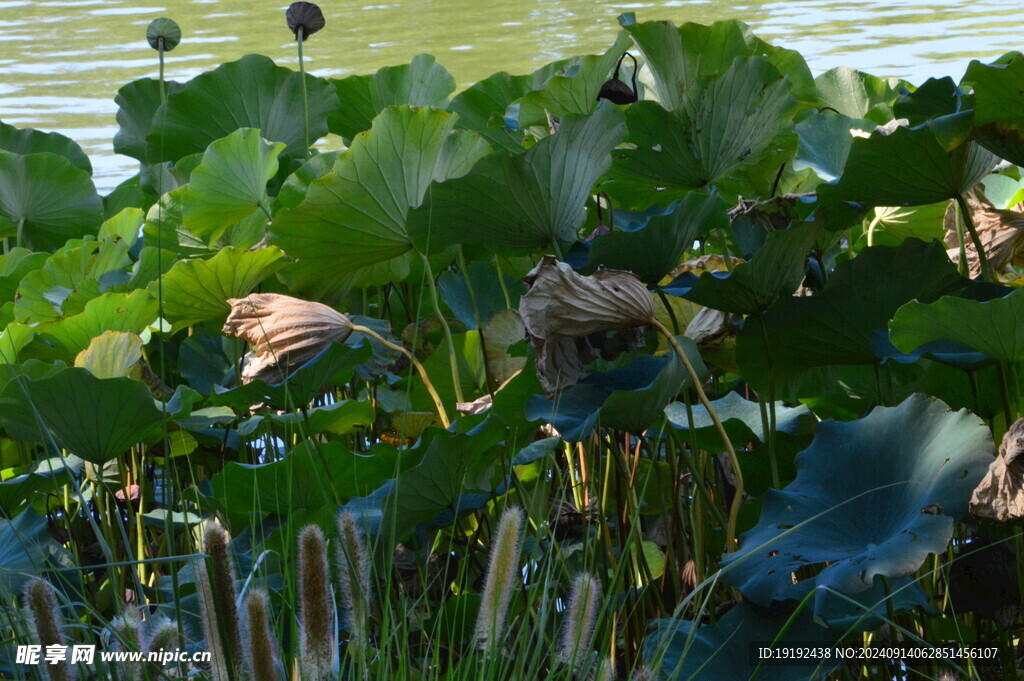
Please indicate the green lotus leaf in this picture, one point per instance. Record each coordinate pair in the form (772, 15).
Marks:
(856, 94)
(872, 497)
(653, 251)
(96, 419)
(836, 327)
(721, 124)
(355, 216)
(230, 184)
(994, 327)
(137, 102)
(197, 290)
(936, 155)
(340, 418)
(475, 307)
(111, 354)
(46, 476)
(252, 92)
(522, 201)
(825, 140)
(13, 338)
(936, 97)
(751, 288)
(572, 90)
(14, 266)
(422, 82)
(999, 94)
(124, 225)
(29, 141)
(25, 549)
(294, 189)
(126, 312)
(47, 199)
(741, 418)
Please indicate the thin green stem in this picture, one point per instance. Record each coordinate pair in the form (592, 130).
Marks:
(436, 302)
(305, 100)
(965, 212)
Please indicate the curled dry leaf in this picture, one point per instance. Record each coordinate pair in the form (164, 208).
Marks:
(284, 332)
(714, 334)
(1000, 494)
(562, 306)
(1001, 233)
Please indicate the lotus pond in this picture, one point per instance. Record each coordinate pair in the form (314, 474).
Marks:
(619, 369)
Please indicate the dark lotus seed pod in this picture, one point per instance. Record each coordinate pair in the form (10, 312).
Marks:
(616, 91)
(166, 30)
(304, 15)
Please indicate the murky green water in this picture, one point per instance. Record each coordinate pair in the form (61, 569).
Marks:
(61, 61)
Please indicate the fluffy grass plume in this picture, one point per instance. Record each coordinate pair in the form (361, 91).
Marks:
(354, 577)
(261, 651)
(580, 618)
(316, 609)
(46, 623)
(216, 544)
(211, 626)
(502, 573)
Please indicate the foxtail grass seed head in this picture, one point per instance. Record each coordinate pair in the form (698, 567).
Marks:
(163, 636)
(165, 32)
(216, 544)
(304, 15)
(127, 629)
(354, 571)
(580, 618)
(211, 625)
(47, 624)
(605, 670)
(262, 650)
(316, 609)
(502, 573)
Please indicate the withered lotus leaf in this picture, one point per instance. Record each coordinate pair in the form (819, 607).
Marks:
(284, 332)
(1000, 494)
(1001, 233)
(562, 305)
(304, 15)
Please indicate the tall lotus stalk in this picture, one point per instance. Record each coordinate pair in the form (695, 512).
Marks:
(354, 571)
(304, 19)
(128, 629)
(502, 573)
(211, 625)
(163, 35)
(580, 619)
(215, 545)
(262, 651)
(45, 619)
(316, 610)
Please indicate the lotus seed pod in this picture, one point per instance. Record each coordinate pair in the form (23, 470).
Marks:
(163, 31)
(502, 572)
(285, 332)
(316, 608)
(262, 650)
(580, 619)
(354, 571)
(304, 15)
(47, 625)
(216, 545)
(616, 91)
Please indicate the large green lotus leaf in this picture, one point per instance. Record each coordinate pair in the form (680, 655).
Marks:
(307, 478)
(96, 419)
(999, 94)
(25, 549)
(720, 125)
(912, 166)
(837, 326)
(856, 94)
(573, 90)
(722, 651)
(14, 266)
(294, 189)
(124, 226)
(476, 307)
(230, 184)
(13, 338)
(165, 228)
(49, 198)
(355, 216)
(936, 97)
(751, 288)
(741, 418)
(653, 251)
(628, 399)
(68, 278)
(29, 141)
(126, 312)
(481, 107)
(252, 92)
(825, 140)
(526, 200)
(197, 290)
(340, 418)
(872, 497)
(994, 327)
(137, 102)
(111, 354)
(422, 82)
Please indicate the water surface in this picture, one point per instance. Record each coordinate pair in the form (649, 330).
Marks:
(62, 61)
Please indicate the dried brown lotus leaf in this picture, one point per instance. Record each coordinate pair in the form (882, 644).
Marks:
(1000, 494)
(1001, 233)
(284, 332)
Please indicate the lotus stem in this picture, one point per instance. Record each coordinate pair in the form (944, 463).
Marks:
(261, 652)
(215, 545)
(300, 35)
(435, 301)
(502, 571)
(46, 622)
(354, 571)
(415, 362)
(737, 500)
(965, 212)
(580, 618)
(316, 609)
